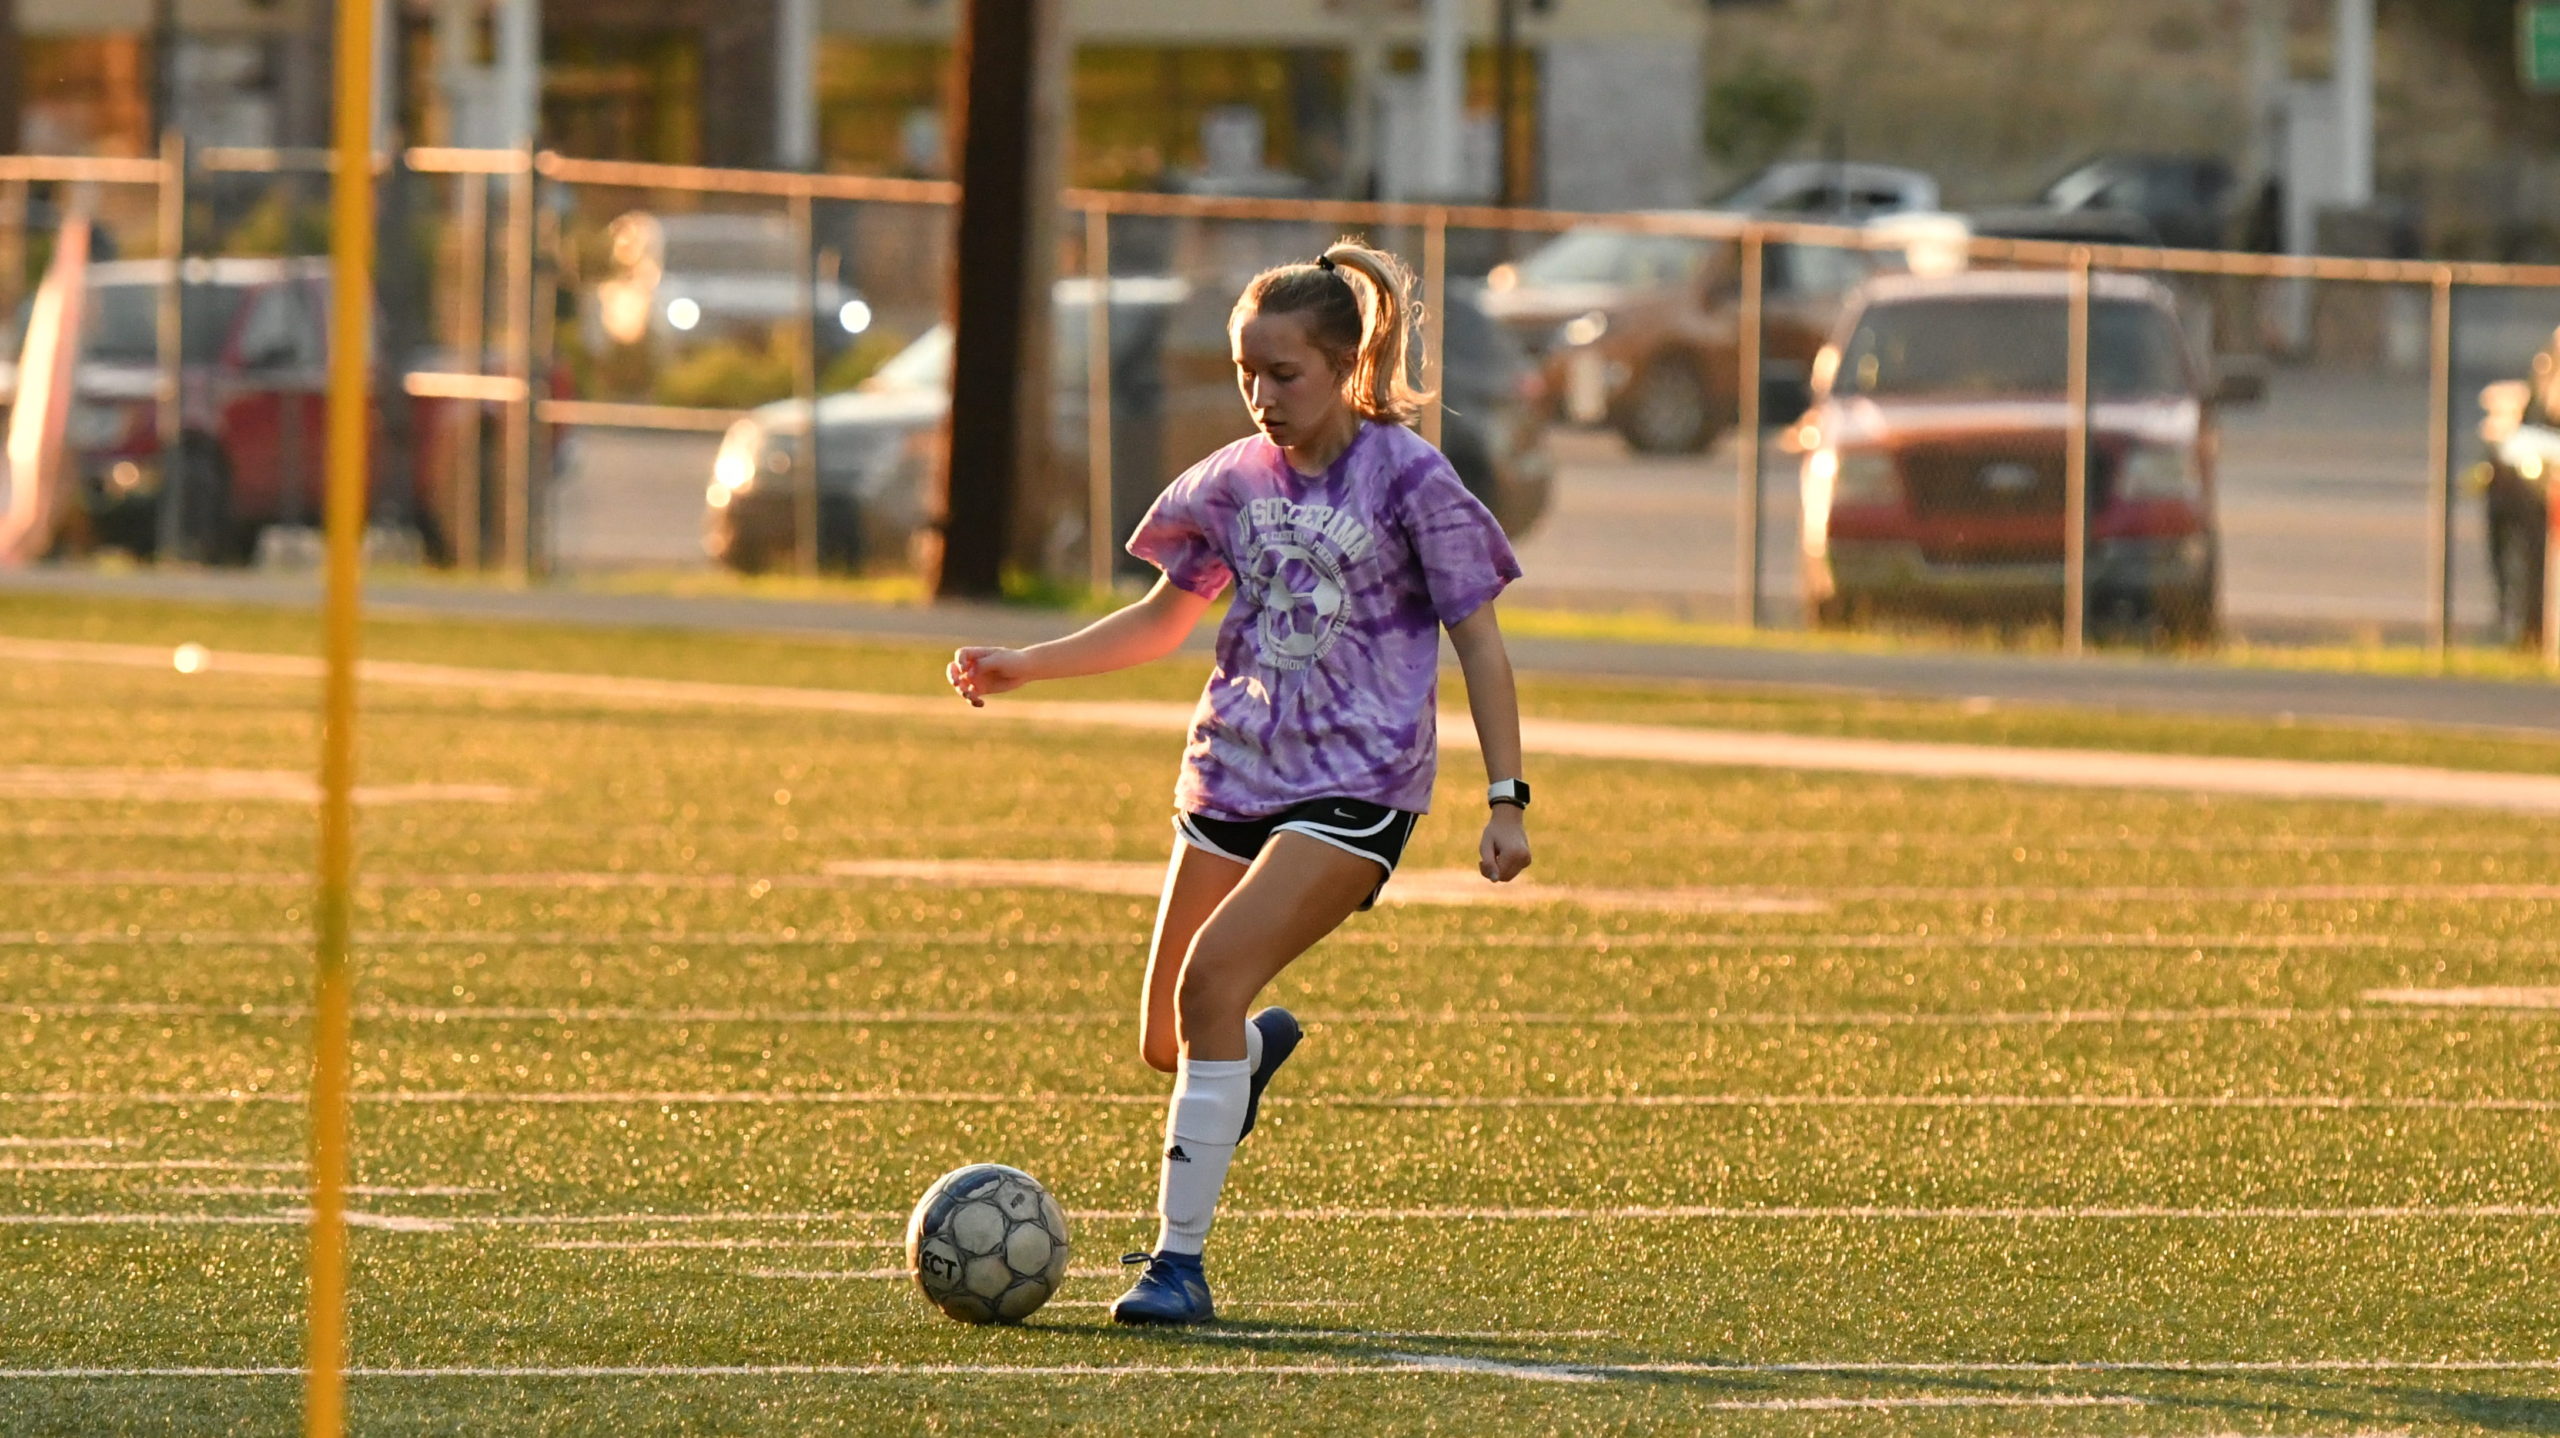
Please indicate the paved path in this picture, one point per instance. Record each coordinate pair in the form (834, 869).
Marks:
(2537, 794)
(2109, 682)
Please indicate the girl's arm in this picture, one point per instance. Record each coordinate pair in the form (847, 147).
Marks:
(1147, 630)
(1494, 700)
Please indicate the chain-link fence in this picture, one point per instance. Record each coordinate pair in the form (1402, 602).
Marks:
(594, 364)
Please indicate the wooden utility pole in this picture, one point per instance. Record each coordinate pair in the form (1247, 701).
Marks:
(1012, 60)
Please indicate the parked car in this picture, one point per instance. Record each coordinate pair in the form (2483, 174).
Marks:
(1585, 270)
(1834, 190)
(1173, 400)
(1934, 455)
(1663, 366)
(255, 362)
(2520, 437)
(2068, 227)
(685, 277)
(2190, 201)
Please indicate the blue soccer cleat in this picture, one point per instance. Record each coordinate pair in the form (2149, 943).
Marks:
(1173, 1290)
(1280, 1035)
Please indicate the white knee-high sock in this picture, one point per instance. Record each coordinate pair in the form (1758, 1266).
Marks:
(1252, 1047)
(1200, 1131)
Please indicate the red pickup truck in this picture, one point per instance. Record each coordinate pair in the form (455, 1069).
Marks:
(1934, 455)
(255, 411)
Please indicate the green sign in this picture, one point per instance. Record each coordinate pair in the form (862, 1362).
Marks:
(2538, 45)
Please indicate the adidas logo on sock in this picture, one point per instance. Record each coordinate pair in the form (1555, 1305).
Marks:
(1176, 1155)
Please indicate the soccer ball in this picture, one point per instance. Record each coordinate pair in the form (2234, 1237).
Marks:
(987, 1244)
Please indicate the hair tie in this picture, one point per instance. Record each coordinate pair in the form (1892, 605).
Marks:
(1325, 263)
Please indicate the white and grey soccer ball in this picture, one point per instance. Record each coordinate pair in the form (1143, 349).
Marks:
(987, 1244)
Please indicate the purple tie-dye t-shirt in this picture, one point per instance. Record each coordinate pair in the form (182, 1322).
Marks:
(1328, 666)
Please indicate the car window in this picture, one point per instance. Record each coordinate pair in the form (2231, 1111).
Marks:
(1981, 347)
(121, 324)
(1481, 356)
(926, 364)
(279, 332)
(1613, 257)
(1820, 270)
(726, 245)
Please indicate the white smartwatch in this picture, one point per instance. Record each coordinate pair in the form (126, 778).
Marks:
(1514, 792)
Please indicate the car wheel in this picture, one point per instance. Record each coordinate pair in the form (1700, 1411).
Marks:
(2515, 563)
(1839, 611)
(839, 533)
(207, 531)
(1665, 411)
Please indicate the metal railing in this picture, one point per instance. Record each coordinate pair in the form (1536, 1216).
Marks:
(516, 389)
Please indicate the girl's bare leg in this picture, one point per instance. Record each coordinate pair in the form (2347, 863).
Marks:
(1195, 883)
(1298, 891)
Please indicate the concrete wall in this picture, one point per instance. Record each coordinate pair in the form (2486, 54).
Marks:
(1621, 125)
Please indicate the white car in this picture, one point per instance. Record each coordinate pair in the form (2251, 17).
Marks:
(681, 277)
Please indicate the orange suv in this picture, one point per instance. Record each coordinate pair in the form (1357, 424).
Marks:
(1934, 455)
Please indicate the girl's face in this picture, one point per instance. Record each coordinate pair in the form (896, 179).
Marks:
(1294, 392)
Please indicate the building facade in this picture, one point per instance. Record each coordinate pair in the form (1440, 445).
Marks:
(1286, 96)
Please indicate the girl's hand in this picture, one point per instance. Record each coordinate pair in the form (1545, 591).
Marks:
(1505, 850)
(980, 670)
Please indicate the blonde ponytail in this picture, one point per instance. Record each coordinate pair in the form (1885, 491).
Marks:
(1360, 312)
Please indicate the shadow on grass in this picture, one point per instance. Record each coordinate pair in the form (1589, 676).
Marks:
(2498, 1412)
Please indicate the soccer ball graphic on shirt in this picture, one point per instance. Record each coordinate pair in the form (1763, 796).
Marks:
(1301, 603)
(987, 1244)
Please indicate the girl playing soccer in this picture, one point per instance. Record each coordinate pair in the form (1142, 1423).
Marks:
(1351, 544)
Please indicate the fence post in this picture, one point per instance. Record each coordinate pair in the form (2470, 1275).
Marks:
(2440, 464)
(515, 456)
(2551, 575)
(804, 385)
(2075, 462)
(1747, 371)
(170, 393)
(351, 299)
(1435, 328)
(467, 478)
(1099, 529)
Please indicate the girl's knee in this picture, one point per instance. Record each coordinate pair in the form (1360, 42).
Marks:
(1204, 997)
(1164, 1054)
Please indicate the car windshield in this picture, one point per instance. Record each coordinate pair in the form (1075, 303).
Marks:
(1974, 347)
(923, 365)
(122, 323)
(728, 245)
(926, 364)
(1615, 257)
(1482, 356)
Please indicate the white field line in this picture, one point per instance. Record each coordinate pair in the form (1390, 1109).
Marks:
(630, 1245)
(357, 1190)
(1109, 878)
(2171, 1367)
(2262, 778)
(1596, 943)
(146, 1165)
(286, 830)
(1469, 1335)
(1224, 1304)
(2527, 1000)
(1444, 1213)
(1141, 879)
(224, 786)
(19, 1141)
(2398, 1012)
(1451, 887)
(290, 1218)
(781, 1098)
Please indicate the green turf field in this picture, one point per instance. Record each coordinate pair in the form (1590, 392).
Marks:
(2018, 1110)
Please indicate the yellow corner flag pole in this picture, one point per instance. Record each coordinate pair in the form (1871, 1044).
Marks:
(333, 1029)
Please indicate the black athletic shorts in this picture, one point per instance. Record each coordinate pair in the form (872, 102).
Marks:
(1373, 831)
